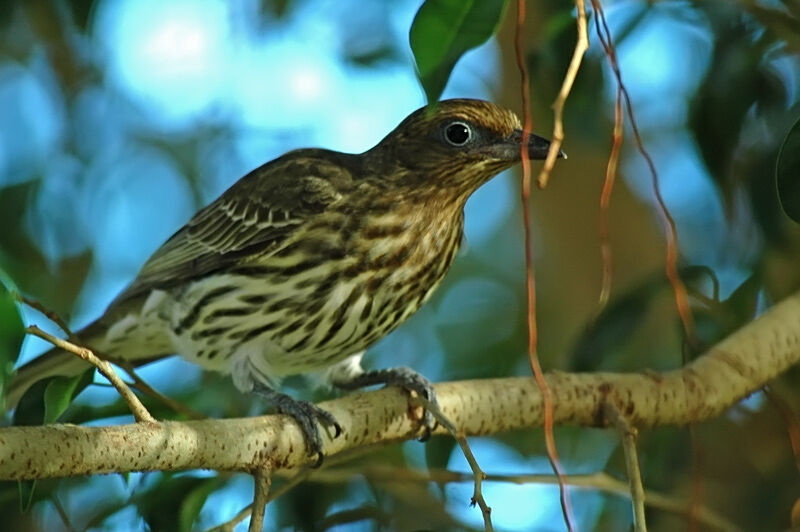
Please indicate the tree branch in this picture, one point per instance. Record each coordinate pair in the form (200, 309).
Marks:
(629, 434)
(734, 368)
(262, 479)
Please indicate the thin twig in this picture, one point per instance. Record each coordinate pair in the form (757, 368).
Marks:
(629, 434)
(605, 201)
(477, 473)
(230, 525)
(581, 46)
(262, 480)
(140, 413)
(52, 316)
(530, 282)
(145, 388)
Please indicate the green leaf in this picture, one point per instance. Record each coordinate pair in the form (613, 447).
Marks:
(61, 391)
(12, 332)
(787, 173)
(718, 321)
(743, 301)
(46, 400)
(443, 30)
(26, 490)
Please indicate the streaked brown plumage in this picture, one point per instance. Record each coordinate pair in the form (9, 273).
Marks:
(308, 260)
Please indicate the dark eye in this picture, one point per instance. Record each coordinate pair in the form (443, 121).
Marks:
(458, 133)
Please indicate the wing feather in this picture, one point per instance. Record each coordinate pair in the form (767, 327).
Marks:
(254, 216)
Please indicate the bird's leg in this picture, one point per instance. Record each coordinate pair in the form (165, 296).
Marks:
(404, 377)
(305, 413)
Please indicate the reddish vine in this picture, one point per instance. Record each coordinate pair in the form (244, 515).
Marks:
(547, 400)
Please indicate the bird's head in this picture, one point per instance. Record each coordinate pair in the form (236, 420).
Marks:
(456, 146)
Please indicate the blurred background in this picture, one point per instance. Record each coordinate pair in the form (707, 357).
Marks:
(120, 118)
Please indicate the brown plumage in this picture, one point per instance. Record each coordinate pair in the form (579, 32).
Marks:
(308, 260)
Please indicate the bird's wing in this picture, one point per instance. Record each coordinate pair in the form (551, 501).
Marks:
(254, 216)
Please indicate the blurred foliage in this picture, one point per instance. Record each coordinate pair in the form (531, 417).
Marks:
(740, 83)
(742, 110)
(25, 262)
(12, 331)
(787, 172)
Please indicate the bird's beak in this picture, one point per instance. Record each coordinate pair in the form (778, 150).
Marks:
(538, 147)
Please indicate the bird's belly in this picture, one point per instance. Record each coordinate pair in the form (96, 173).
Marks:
(290, 327)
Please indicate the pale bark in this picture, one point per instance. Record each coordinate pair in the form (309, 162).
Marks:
(736, 367)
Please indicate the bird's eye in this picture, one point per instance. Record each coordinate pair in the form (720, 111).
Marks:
(458, 133)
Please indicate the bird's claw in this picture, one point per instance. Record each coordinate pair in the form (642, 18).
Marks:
(428, 421)
(413, 381)
(306, 414)
(405, 378)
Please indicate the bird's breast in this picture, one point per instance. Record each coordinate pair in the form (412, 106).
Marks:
(332, 292)
(406, 258)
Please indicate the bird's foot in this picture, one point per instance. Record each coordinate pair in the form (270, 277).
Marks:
(405, 378)
(306, 414)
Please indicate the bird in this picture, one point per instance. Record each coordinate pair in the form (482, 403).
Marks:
(308, 260)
